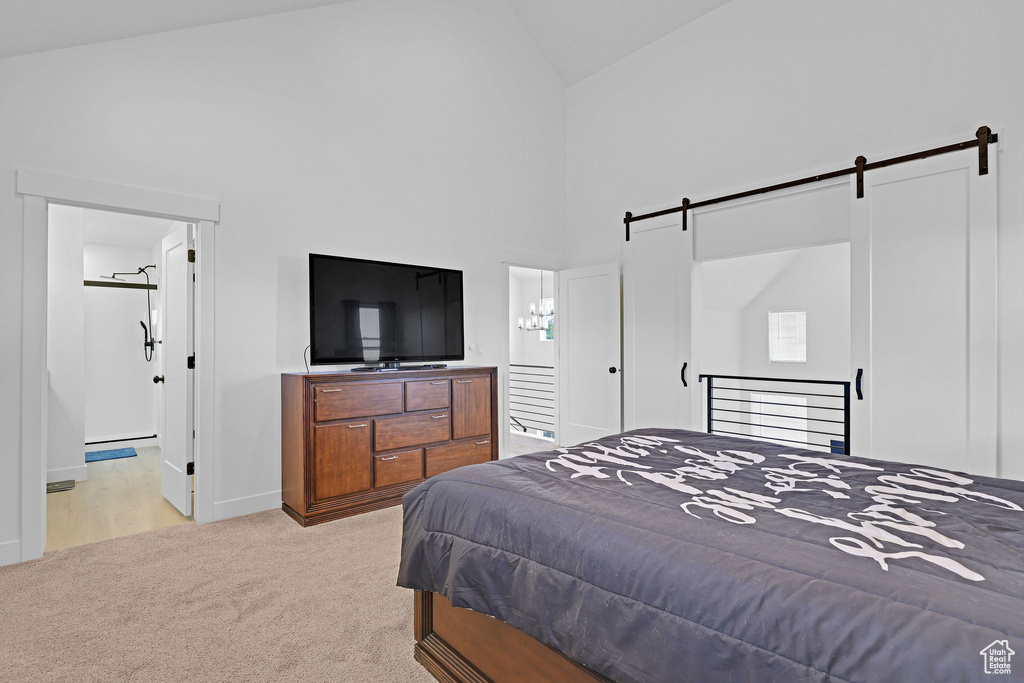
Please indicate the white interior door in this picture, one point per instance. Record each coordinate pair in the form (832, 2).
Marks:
(176, 297)
(589, 332)
(658, 263)
(923, 313)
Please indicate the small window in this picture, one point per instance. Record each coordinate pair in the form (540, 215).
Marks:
(787, 336)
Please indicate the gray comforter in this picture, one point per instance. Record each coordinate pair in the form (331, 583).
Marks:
(667, 555)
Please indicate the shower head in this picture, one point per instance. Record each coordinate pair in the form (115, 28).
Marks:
(140, 271)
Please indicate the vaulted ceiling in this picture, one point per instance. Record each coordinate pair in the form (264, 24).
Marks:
(578, 37)
(581, 37)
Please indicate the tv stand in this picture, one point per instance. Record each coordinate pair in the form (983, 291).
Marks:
(391, 367)
(358, 441)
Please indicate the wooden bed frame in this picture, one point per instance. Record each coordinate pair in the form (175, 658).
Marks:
(463, 646)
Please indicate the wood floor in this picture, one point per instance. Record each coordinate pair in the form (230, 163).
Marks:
(121, 497)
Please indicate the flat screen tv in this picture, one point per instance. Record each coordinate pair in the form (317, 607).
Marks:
(374, 312)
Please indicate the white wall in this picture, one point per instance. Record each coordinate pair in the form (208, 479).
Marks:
(719, 343)
(818, 282)
(759, 92)
(428, 132)
(120, 396)
(65, 357)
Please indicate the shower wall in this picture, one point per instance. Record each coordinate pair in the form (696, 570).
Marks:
(120, 396)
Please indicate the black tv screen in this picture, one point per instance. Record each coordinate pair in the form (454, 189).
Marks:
(376, 312)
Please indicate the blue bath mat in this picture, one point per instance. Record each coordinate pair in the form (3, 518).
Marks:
(112, 454)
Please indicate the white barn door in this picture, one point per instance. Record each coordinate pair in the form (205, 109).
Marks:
(923, 313)
(589, 329)
(658, 262)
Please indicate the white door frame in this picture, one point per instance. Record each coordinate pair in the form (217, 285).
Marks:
(523, 259)
(38, 190)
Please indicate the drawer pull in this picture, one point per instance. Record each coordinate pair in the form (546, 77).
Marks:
(438, 417)
(329, 391)
(481, 443)
(355, 426)
(393, 457)
(444, 382)
(463, 381)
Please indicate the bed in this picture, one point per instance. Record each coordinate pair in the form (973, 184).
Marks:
(670, 555)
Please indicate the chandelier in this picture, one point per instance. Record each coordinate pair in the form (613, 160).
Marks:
(541, 312)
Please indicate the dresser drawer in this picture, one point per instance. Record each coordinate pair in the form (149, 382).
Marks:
(411, 430)
(397, 468)
(345, 400)
(426, 395)
(443, 458)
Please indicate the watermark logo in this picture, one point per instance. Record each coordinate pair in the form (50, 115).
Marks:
(997, 657)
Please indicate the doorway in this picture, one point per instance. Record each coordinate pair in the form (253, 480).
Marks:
(585, 324)
(38, 191)
(108, 336)
(533, 360)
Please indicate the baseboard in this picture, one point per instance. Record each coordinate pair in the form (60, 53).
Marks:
(78, 473)
(246, 506)
(10, 552)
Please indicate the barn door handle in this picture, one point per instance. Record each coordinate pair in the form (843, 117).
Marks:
(860, 373)
(682, 375)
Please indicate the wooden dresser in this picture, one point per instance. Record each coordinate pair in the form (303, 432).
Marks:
(357, 441)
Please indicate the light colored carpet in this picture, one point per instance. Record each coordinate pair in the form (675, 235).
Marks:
(254, 598)
(520, 444)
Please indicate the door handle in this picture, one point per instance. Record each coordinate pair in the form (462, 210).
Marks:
(682, 375)
(157, 379)
(860, 373)
(613, 370)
